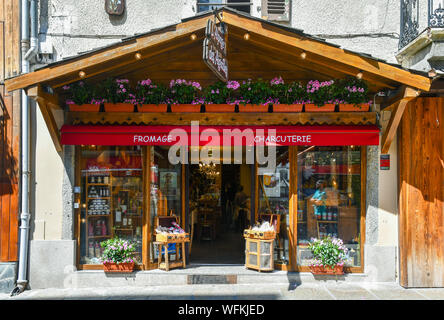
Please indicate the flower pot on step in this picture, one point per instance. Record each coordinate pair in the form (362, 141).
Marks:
(325, 270)
(220, 107)
(314, 108)
(119, 107)
(185, 107)
(253, 108)
(287, 107)
(118, 267)
(84, 107)
(152, 108)
(348, 107)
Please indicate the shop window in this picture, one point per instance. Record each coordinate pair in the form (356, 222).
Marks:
(274, 186)
(111, 199)
(165, 196)
(329, 199)
(240, 5)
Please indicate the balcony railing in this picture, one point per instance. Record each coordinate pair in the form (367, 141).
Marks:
(418, 15)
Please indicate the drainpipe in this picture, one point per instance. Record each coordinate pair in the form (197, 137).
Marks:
(24, 214)
(34, 41)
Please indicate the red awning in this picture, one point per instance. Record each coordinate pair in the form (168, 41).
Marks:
(220, 135)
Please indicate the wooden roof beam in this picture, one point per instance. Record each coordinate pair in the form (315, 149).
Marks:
(341, 56)
(398, 108)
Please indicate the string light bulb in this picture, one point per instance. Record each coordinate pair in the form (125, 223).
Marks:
(82, 74)
(247, 36)
(359, 75)
(193, 37)
(138, 56)
(303, 55)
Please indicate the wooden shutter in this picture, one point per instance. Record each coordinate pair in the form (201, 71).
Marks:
(276, 10)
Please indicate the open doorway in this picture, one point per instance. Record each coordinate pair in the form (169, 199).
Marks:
(220, 209)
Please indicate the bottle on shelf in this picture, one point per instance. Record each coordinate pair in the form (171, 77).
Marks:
(90, 228)
(104, 231)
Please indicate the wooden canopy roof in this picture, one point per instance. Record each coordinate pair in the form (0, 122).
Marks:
(271, 50)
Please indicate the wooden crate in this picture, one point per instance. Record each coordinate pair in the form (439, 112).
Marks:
(264, 235)
(172, 237)
(259, 254)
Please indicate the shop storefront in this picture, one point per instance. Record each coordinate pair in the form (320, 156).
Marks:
(123, 188)
(125, 174)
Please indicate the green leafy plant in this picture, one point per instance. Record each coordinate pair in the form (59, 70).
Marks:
(254, 92)
(185, 92)
(296, 94)
(148, 92)
(352, 91)
(221, 92)
(278, 90)
(81, 93)
(117, 91)
(328, 252)
(320, 93)
(117, 250)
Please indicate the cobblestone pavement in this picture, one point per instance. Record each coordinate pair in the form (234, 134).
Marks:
(309, 291)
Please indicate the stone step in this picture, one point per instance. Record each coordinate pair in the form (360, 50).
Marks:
(199, 274)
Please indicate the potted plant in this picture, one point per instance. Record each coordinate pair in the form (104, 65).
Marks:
(151, 97)
(329, 255)
(118, 255)
(82, 97)
(353, 94)
(287, 98)
(319, 95)
(185, 96)
(255, 96)
(219, 97)
(118, 96)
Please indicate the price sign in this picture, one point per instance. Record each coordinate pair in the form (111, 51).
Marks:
(385, 162)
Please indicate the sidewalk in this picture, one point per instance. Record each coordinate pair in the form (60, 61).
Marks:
(306, 291)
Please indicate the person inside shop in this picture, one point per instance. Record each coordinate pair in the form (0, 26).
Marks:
(240, 201)
(319, 199)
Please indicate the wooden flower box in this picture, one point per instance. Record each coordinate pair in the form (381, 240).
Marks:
(287, 107)
(152, 108)
(321, 270)
(353, 107)
(185, 108)
(119, 107)
(84, 107)
(118, 267)
(314, 108)
(219, 108)
(253, 108)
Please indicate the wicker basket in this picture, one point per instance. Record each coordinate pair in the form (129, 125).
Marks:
(264, 235)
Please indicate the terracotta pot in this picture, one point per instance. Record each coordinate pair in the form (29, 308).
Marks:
(119, 107)
(353, 107)
(253, 108)
(120, 267)
(321, 270)
(185, 107)
(84, 108)
(220, 107)
(152, 108)
(314, 108)
(287, 107)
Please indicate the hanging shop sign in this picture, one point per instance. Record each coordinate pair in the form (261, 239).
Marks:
(220, 135)
(215, 49)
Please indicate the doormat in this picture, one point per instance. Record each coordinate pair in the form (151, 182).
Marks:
(212, 279)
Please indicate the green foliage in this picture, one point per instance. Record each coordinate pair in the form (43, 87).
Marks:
(81, 93)
(117, 251)
(184, 92)
(254, 92)
(320, 93)
(352, 90)
(221, 92)
(148, 92)
(296, 94)
(117, 91)
(328, 252)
